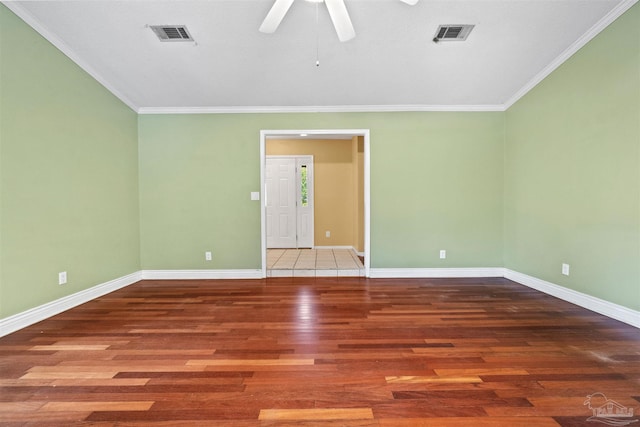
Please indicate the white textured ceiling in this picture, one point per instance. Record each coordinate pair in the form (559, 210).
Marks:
(392, 64)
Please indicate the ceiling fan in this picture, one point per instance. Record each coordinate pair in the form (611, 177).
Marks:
(337, 11)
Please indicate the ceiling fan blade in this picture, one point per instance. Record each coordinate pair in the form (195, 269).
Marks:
(340, 18)
(275, 16)
(410, 2)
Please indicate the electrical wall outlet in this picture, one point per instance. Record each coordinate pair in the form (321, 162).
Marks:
(327, 233)
(62, 278)
(443, 254)
(565, 269)
(207, 256)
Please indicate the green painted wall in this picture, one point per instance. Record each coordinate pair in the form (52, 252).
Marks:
(68, 183)
(572, 175)
(88, 187)
(436, 183)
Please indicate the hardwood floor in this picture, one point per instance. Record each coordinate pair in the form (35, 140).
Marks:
(325, 351)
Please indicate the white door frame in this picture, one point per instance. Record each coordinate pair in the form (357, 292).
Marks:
(264, 134)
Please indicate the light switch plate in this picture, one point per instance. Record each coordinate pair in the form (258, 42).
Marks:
(255, 195)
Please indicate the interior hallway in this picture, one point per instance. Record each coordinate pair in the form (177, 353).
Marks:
(313, 263)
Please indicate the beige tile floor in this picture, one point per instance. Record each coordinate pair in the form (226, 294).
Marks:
(313, 263)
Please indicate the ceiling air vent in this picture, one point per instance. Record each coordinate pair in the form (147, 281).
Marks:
(172, 33)
(452, 32)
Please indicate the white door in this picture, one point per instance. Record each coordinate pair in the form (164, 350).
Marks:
(289, 201)
(280, 183)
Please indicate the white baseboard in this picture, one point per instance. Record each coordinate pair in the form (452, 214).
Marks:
(606, 308)
(432, 273)
(26, 318)
(200, 274)
(34, 315)
(589, 302)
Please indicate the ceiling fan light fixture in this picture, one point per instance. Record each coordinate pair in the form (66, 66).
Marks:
(337, 11)
(275, 16)
(340, 18)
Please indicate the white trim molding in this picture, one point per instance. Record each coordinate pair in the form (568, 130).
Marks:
(433, 273)
(596, 29)
(319, 109)
(606, 308)
(365, 133)
(26, 318)
(33, 22)
(200, 274)
(52, 38)
(42, 312)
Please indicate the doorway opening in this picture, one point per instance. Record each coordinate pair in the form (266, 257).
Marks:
(272, 143)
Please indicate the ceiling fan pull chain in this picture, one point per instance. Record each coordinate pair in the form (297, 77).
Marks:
(317, 36)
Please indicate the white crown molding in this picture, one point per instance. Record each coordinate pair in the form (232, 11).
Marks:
(200, 274)
(34, 23)
(320, 109)
(608, 19)
(615, 13)
(589, 302)
(36, 314)
(432, 273)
